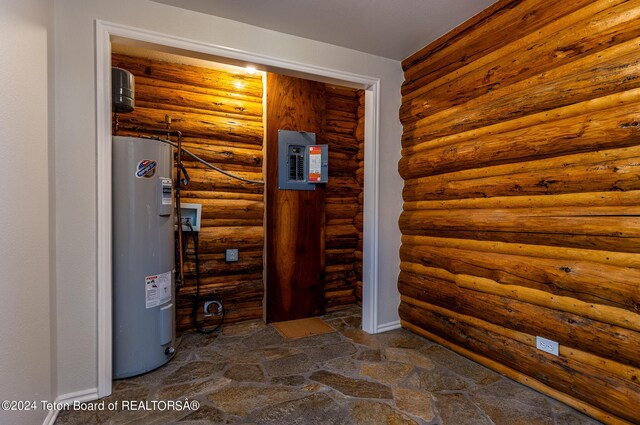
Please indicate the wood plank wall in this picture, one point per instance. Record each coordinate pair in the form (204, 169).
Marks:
(220, 116)
(521, 154)
(343, 192)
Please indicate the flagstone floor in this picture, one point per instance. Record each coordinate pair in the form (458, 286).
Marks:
(249, 374)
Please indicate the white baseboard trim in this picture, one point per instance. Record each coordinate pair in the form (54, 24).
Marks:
(82, 396)
(388, 326)
(51, 417)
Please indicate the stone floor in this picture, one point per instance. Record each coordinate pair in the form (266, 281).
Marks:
(249, 374)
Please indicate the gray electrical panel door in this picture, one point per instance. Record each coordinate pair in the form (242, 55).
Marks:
(295, 148)
(143, 256)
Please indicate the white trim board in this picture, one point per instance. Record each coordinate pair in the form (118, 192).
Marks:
(81, 396)
(104, 33)
(386, 327)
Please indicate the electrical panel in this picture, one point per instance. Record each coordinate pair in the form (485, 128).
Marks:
(301, 163)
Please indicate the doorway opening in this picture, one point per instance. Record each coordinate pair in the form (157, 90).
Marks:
(107, 35)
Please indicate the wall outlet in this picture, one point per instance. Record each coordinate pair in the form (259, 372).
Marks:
(231, 255)
(547, 345)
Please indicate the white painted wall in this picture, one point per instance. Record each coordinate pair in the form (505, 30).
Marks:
(25, 322)
(76, 153)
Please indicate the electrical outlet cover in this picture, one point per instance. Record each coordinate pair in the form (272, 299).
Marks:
(231, 255)
(547, 345)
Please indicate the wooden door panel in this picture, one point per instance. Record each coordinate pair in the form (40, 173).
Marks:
(295, 219)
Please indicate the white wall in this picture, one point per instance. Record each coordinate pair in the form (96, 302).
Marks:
(25, 327)
(76, 152)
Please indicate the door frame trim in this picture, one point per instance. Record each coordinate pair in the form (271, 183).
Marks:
(104, 32)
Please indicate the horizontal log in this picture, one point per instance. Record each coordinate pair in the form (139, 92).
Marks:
(343, 187)
(358, 134)
(337, 237)
(342, 294)
(228, 208)
(602, 339)
(342, 210)
(620, 259)
(549, 226)
(342, 167)
(191, 75)
(335, 268)
(207, 141)
(599, 312)
(211, 194)
(335, 103)
(234, 222)
(212, 281)
(333, 91)
(341, 143)
(586, 31)
(227, 105)
(610, 71)
(230, 168)
(612, 101)
(582, 280)
(623, 221)
(198, 141)
(348, 116)
(195, 125)
(210, 180)
(219, 92)
(359, 175)
(609, 170)
(248, 262)
(576, 379)
(612, 367)
(339, 256)
(230, 289)
(341, 283)
(225, 154)
(234, 312)
(611, 128)
(218, 239)
(490, 30)
(358, 221)
(345, 128)
(174, 107)
(357, 268)
(576, 200)
(338, 221)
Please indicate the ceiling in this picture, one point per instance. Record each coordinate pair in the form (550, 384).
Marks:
(389, 28)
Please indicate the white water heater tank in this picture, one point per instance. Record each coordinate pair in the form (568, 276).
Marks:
(143, 256)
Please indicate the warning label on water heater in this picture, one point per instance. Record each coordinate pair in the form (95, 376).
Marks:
(157, 289)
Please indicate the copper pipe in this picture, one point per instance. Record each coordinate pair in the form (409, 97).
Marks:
(178, 209)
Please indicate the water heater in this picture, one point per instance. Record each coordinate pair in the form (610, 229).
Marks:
(143, 256)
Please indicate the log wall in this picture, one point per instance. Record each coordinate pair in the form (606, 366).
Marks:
(220, 116)
(359, 219)
(344, 190)
(520, 155)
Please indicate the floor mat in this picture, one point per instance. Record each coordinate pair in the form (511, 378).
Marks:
(302, 327)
